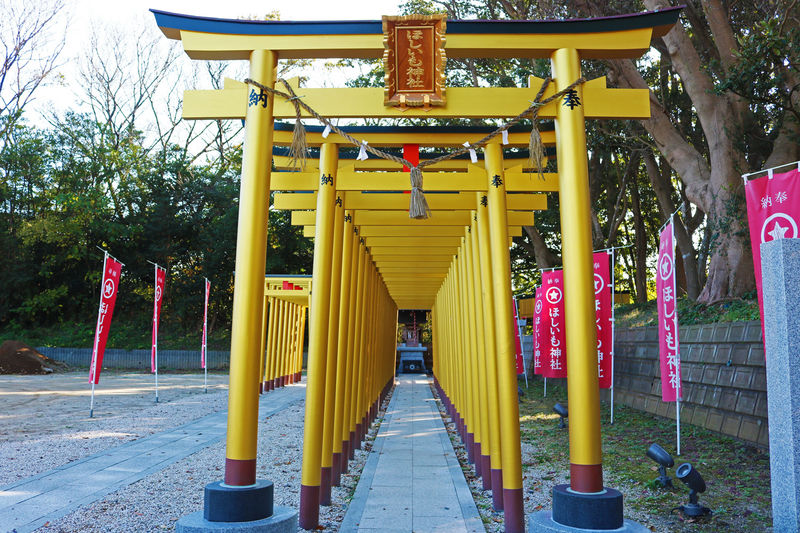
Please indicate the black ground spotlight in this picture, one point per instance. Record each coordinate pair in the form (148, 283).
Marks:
(561, 411)
(689, 475)
(664, 460)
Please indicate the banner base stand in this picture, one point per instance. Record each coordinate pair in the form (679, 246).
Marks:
(283, 520)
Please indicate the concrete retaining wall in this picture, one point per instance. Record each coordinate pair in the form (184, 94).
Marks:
(724, 377)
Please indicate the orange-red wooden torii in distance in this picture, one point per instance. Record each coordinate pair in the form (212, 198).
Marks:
(565, 43)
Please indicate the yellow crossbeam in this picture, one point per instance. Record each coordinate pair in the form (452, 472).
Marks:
(400, 218)
(283, 162)
(423, 242)
(592, 45)
(399, 138)
(599, 102)
(400, 201)
(517, 180)
(434, 231)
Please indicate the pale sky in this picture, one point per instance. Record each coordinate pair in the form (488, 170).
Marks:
(130, 16)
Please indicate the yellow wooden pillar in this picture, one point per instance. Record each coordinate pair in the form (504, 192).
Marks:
(586, 471)
(298, 361)
(486, 267)
(355, 406)
(248, 292)
(291, 345)
(262, 351)
(480, 330)
(343, 359)
(318, 337)
(273, 342)
(361, 386)
(475, 371)
(283, 340)
(506, 361)
(357, 300)
(332, 362)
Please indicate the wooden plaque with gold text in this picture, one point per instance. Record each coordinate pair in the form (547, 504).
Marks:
(414, 60)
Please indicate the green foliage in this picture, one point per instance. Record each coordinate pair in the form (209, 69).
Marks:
(78, 186)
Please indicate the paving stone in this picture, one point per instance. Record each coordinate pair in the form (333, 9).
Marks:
(416, 479)
(27, 504)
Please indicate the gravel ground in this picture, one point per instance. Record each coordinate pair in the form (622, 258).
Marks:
(155, 503)
(45, 424)
(538, 481)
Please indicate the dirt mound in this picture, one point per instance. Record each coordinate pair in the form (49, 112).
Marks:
(18, 358)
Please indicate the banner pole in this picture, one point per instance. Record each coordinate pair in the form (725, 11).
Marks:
(91, 403)
(678, 356)
(613, 327)
(519, 333)
(545, 387)
(93, 367)
(155, 328)
(678, 423)
(206, 287)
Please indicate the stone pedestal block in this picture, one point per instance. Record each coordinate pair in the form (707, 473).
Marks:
(780, 264)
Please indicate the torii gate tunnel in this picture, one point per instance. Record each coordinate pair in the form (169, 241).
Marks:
(371, 259)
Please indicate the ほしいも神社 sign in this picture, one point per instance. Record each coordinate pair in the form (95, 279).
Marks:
(414, 60)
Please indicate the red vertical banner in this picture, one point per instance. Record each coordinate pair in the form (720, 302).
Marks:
(538, 305)
(158, 293)
(773, 208)
(205, 327)
(112, 270)
(517, 339)
(554, 360)
(668, 347)
(602, 310)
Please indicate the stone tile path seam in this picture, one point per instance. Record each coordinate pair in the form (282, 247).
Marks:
(412, 480)
(28, 504)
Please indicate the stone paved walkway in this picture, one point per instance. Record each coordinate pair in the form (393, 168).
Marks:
(29, 503)
(412, 480)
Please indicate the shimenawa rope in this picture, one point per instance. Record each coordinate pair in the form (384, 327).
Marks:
(418, 207)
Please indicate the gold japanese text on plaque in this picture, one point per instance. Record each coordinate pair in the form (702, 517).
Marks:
(414, 60)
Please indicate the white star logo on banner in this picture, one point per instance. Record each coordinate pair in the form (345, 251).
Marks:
(598, 283)
(108, 288)
(783, 224)
(665, 267)
(553, 295)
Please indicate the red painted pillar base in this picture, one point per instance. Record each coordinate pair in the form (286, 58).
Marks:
(497, 489)
(345, 457)
(357, 437)
(478, 462)
(352, 446)
(336, 469)
(240, 472)
(309, 507)
(470, 445)
(486, 464)
(514, 511)
(325, 486)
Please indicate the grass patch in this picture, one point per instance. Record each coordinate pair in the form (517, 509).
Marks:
(689, 312)
(737, 475)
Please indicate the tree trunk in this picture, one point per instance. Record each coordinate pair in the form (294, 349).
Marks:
(659, 178)
(544, 257)
(640, 247)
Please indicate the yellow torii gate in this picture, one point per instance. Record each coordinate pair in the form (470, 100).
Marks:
(262, 43)
(283, 329)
